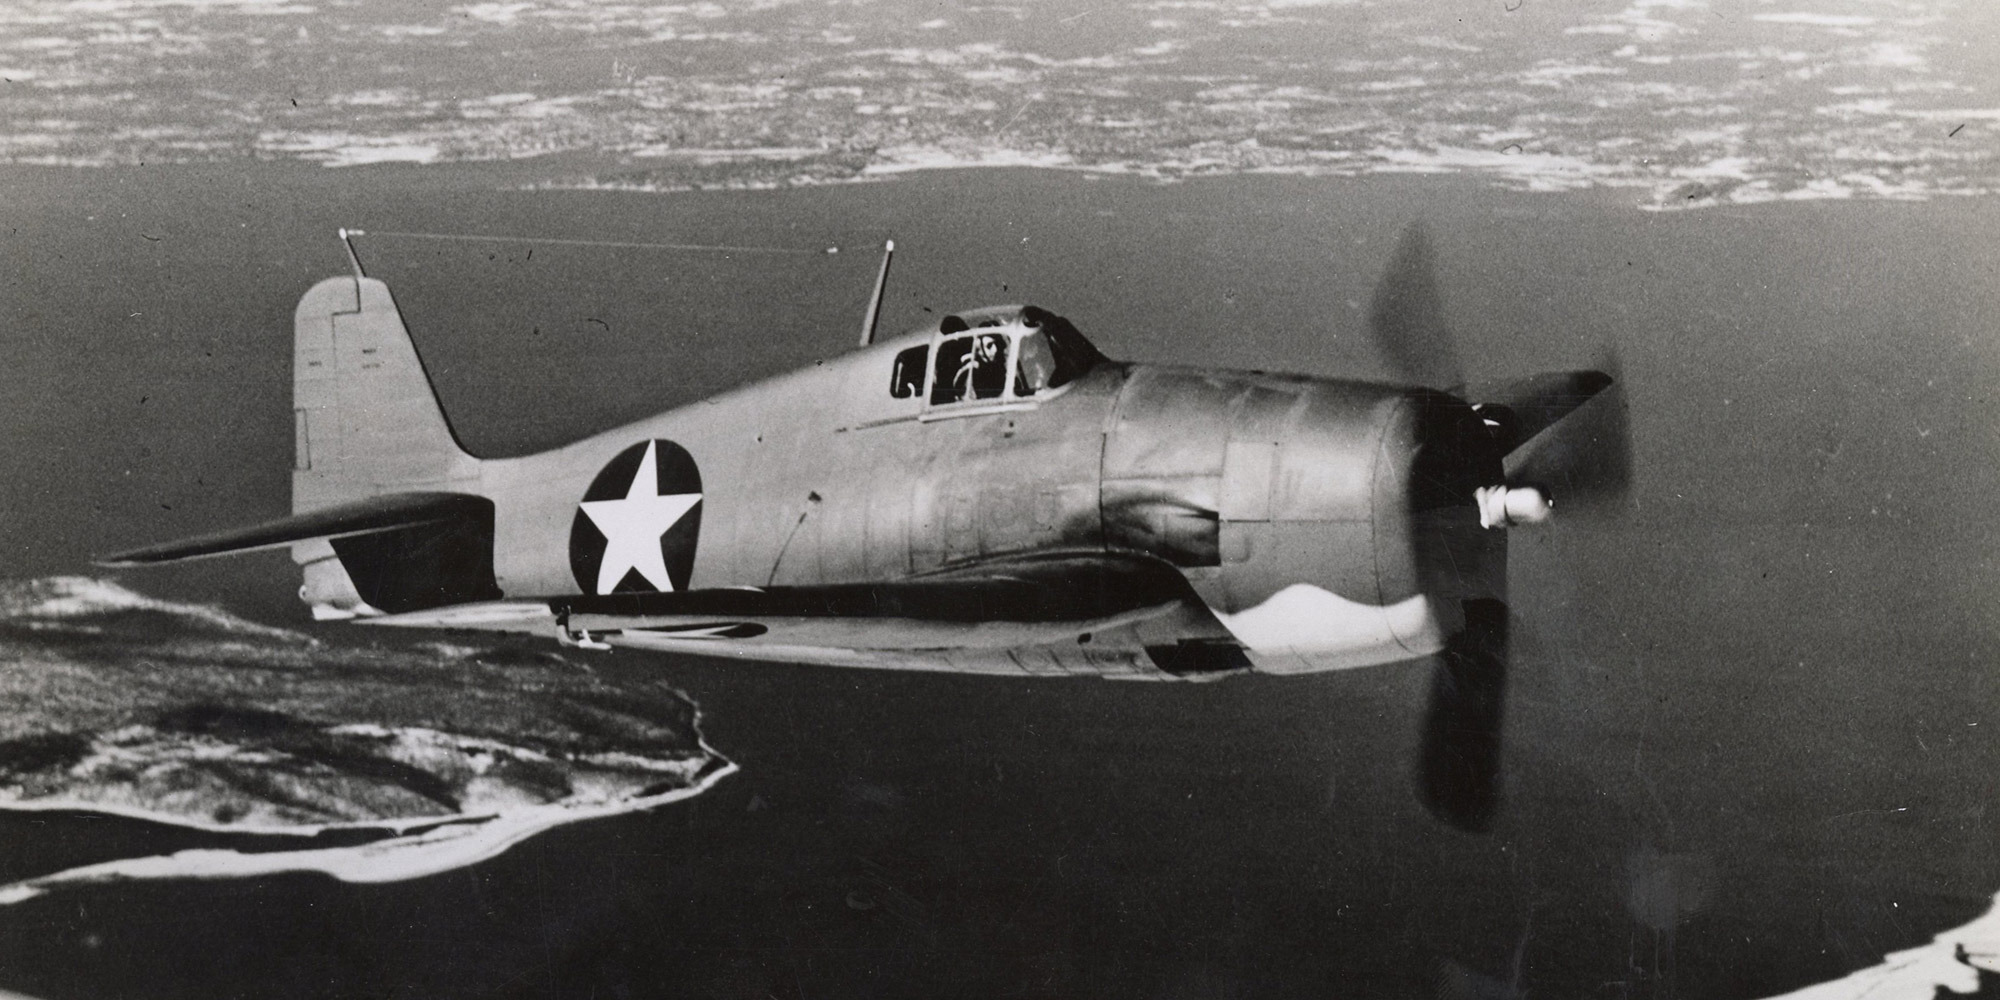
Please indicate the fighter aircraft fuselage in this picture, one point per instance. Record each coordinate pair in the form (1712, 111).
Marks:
(822, 477)
(911, 456)
(989, 493)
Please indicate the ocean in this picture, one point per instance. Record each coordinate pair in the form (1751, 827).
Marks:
(1750, 731)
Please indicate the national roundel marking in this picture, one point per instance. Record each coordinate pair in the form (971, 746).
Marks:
(634, 531)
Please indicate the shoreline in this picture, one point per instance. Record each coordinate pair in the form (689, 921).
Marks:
(395, 859)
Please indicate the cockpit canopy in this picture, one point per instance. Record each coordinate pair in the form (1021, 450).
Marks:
(994, 356)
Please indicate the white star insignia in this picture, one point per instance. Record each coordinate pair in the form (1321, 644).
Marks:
(632, 527)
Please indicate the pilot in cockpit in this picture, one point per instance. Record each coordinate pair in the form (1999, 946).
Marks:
(983, 369)
(971, 363)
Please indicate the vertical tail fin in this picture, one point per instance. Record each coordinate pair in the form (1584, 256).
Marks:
(367, 424)
(365, 417)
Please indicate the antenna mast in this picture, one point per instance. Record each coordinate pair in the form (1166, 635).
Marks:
(353, 259)
(874, 301)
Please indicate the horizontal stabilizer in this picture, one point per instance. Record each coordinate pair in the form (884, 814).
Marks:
(361, 517)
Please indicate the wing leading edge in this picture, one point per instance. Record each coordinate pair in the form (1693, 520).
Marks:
(1103, 614)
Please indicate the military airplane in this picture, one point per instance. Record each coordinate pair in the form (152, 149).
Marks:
(989, 494)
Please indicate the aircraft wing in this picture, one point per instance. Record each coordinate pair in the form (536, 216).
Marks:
(388, 512)
(1107, 614)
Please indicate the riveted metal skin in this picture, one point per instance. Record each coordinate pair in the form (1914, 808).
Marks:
(1248, 483)
(1254, 482)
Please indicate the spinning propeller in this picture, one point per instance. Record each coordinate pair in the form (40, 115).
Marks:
(1509, 452)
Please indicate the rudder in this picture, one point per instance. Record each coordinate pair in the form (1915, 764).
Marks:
(368, 429)
(366, 419)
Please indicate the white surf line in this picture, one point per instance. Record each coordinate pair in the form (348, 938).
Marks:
(1951, 961)
(444, 848)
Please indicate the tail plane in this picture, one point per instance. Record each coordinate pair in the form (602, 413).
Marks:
(387, 514)
(365, 417)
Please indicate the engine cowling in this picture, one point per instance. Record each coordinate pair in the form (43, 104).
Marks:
(1326, 523)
